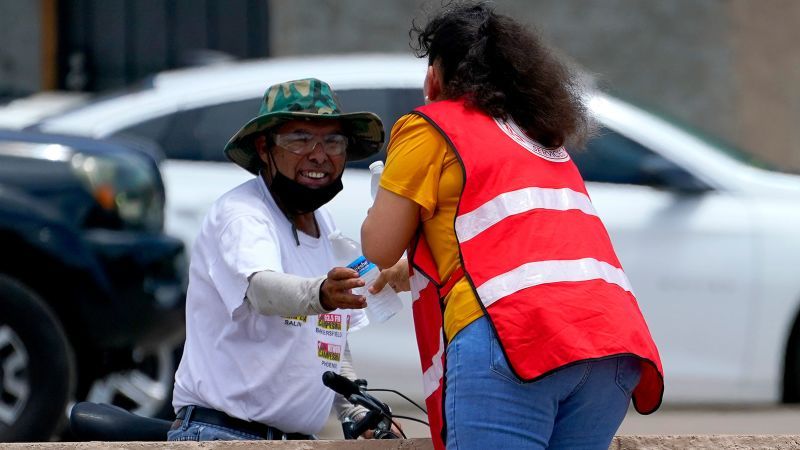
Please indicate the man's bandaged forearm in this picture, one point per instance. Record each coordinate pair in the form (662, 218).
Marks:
(344, 409)
(281, 294)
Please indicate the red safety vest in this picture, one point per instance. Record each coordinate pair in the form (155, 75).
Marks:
(537, 257)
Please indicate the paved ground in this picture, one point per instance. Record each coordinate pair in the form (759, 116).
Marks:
(725, 420)
(684, 420)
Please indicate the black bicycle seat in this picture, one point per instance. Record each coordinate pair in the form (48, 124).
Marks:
(101, 422)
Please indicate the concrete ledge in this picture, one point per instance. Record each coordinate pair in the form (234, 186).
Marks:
(406, 444)
(653, 442)
(711, 441)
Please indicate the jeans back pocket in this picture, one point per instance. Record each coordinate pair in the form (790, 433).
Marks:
(498, 362)
(629, 371)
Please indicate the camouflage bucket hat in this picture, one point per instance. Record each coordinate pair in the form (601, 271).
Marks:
(304, 99)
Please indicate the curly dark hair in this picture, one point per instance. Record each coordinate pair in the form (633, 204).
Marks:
(498, 66)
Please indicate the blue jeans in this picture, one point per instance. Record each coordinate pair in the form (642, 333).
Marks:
(577, 407)
(190, 430)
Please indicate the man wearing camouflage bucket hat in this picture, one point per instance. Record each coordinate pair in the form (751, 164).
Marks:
(267, 311)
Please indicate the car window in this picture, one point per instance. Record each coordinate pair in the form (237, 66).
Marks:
(610, 157)
(154, 129)
(213, 126)
(388, 104)
(200, 134)
(197, 134)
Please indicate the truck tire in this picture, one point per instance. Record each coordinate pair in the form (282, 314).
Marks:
(37, 366)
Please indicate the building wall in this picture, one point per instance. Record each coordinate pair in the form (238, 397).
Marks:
(765, 38)
(311, 26)
(20, 63)
(96, 45)
(666, 56)
(727, 67)
(108, 44)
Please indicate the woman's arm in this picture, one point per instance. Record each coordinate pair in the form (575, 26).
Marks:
(409, 190)
(389, 227)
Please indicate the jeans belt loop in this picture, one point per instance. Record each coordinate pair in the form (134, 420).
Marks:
(187, 415)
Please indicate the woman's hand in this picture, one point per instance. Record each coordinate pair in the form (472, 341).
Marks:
(396, 277)
(396, 429)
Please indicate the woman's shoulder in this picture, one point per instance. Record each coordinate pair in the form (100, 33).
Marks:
(413, 131)
(411, 123)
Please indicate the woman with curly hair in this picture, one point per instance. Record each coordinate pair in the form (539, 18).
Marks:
(529, 333)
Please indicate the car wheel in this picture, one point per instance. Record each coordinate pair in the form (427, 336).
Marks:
(37, 366)
(791, 371)
(145, 390)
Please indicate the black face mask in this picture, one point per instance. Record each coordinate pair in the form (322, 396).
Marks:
(299, 199)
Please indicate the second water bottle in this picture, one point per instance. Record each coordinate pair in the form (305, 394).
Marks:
(380, 306)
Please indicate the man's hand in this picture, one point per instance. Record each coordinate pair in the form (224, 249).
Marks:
(370, 434)
(395, 276)
(335, 290)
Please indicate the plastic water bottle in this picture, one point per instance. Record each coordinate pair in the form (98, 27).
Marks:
(376, 169)
(380, 306)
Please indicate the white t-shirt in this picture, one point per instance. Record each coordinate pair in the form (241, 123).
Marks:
(251, 366)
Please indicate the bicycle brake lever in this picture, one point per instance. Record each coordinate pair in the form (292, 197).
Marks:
(371, 420)
(370, 402)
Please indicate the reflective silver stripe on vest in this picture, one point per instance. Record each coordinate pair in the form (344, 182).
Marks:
(507, 204)
(418, 283)
(544, 272)
(432, 376)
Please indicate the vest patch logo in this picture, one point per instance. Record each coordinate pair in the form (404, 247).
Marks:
(330, 352)
(512, 130)
(295, 321)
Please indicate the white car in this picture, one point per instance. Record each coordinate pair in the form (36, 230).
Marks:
(710, 242)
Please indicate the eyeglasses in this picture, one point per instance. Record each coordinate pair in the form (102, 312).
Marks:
(304, 143)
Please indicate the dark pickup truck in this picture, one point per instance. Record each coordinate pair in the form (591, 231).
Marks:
(92, 291)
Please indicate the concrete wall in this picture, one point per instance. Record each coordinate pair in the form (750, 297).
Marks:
(765, 39)
(21, 50)
(300, 27)
(727, 67)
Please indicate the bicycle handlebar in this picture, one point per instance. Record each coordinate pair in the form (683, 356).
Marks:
(378, 417)
(339, 384)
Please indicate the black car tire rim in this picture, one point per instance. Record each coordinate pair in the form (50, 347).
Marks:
(141, 391)
(15, 387)
(145, 390)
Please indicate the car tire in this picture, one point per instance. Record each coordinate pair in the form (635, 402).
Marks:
(37, 366)
(146, 389)
(791, 371)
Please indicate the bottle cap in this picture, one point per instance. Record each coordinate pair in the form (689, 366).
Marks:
(375, 166)
(335, 234)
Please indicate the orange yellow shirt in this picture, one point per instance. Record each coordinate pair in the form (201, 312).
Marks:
(421, 166)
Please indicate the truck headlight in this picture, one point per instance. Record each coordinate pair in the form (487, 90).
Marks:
(126, 185)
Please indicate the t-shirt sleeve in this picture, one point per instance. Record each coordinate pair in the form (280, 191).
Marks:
(247, 244)
(414, 162)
